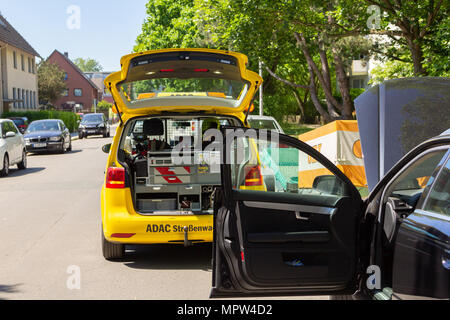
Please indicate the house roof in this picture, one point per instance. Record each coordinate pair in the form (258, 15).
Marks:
(75, 67)
(10, 35)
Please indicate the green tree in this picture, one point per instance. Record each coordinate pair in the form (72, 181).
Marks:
(88, 65)
(51, 82)
(419, 28)
(169, 24)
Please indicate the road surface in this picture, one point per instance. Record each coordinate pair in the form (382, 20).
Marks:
(50, 245)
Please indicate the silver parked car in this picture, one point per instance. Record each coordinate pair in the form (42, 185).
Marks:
(12, 147)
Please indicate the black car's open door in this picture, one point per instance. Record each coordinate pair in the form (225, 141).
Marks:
(286, 220)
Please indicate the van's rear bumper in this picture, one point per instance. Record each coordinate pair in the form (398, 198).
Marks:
(122, 224)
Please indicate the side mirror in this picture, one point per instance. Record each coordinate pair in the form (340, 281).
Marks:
(10, 134)
(106, 148)
(329, 184)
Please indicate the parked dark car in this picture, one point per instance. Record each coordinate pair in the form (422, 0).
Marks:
(48, 135)
(21, 123)
(322, 238)
(94, 124)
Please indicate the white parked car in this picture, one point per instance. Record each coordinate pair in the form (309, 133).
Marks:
(12, 147)
(265, 122)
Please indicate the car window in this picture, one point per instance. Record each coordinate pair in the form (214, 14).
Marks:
(9, 127)
(438, 200)
(260, 165)
(409, 185)
(263, 124)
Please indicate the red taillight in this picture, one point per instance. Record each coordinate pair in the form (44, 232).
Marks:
(201, 70)
(167, 70)
(253, 176)
(22, 126)
(115, 178)
(122, 235)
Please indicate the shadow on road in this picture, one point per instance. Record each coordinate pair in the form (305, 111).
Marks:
(14, 173)
(169, 257)
(42, 153)
(8, 289)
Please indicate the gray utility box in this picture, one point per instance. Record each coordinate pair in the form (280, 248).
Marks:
(161, 184)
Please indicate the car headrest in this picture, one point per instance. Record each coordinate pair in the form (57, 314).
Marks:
(153, 127)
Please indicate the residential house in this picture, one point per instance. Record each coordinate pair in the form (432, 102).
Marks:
(18, 72)
(98, 79)
(81, 94)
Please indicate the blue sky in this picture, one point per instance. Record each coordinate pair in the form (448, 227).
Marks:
(108, 28)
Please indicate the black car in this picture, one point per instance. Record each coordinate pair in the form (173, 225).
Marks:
(48, 135)
(94, 124)
(21, 123)
(322, 238)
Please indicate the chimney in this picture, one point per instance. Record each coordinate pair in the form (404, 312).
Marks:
(66, 54)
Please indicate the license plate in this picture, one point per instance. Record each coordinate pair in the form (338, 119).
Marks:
(91, 131)
(39, 145)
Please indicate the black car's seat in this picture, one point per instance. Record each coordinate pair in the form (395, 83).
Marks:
(155, 127)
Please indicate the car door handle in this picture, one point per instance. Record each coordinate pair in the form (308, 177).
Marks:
(302, 216)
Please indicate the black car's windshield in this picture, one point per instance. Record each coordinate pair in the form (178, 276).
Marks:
(89, 118)
(43, 126)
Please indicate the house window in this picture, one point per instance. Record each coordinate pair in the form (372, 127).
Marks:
(27, 97)
(15, 97)
(66, 76)
(65, 93)
(34, 100)
(23, 98)
(22, 60)
(33, 66)
(29, 65)
(18, 98)
(15, 59)
(78, 92)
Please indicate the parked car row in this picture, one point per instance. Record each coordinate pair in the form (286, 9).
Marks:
(17, 137)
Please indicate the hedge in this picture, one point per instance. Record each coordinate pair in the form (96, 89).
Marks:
(70, 119)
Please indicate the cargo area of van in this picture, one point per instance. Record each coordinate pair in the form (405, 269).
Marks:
(172, 168)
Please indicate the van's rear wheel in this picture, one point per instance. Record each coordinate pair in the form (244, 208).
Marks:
(112, 251)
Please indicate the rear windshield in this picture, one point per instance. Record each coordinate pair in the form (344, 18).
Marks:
(194, 87)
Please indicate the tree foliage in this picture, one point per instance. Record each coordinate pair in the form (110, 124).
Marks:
(308, 46)
(51, 82)
(88, 65)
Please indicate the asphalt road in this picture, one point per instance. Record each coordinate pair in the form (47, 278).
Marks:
(50, 232)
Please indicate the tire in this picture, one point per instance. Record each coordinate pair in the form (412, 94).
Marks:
(70, 146)
(5, 171)
(63, 149)
(112, 251)
(80, 136)
(23, 164)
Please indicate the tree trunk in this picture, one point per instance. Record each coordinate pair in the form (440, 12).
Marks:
(344, 87)
(315, 99)
(300, 103)
(327, 79)
(417, 56)
(328, 91)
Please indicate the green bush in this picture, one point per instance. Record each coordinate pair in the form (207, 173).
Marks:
(70, 119)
